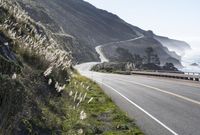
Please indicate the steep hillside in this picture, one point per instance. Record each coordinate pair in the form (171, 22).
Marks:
(138, 47)
(174, 45)
(82, 20)
(40, 93)
(29, 59)
(91, 27)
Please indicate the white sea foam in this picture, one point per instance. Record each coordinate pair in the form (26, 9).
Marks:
(192, 56)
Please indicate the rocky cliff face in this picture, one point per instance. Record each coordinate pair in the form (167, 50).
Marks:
(138, 47)
(113, 67)
(173, 45)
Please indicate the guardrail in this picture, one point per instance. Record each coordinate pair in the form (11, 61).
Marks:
(177, 75)
(191, 73)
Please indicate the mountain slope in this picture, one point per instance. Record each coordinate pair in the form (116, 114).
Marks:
(91, 27)
(173, 45)
(40, 93)
(138, 47)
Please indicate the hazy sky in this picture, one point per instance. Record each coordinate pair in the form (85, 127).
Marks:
(174, 18)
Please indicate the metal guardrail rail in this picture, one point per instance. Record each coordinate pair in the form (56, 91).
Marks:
(193, 76)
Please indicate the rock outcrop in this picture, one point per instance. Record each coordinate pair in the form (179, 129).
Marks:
(114, 67)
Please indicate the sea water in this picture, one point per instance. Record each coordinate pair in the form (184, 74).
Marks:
(192, 56)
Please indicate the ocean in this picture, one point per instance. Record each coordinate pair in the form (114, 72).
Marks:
(192, 56)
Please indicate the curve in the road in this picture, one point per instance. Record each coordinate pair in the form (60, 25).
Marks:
(169, 107)
(101, 54)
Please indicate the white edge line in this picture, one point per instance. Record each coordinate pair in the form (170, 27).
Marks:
(163, 91)
(173, 132)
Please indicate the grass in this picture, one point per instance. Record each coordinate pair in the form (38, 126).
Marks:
(104, 117)
(61, 115)
(32, 107)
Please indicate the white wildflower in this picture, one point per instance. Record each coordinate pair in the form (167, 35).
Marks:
(59, 88)
(63, 87)
(48, 71)
(83, 115)
(56, 85)
(80, 100)
(75, 83)
(14, 76)
(70, 93)
(68, 80)
(79, 97)
(85, 95)
(6, 43)
(75, 96)
(87, 87)
(81, 83)
(80, 131)
(78, 104)
(90, 100)
(50, 81)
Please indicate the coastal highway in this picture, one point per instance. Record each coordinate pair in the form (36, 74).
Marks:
(160, 106)
(101, 54)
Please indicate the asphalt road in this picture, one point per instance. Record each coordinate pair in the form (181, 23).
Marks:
(160, 106)
(101, 54)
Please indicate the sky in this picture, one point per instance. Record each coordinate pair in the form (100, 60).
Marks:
(179, 19)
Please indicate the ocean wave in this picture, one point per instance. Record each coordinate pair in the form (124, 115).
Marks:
(191, 57)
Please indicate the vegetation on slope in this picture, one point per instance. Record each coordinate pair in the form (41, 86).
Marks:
(31, 106)
(95, 114)
(38, 96)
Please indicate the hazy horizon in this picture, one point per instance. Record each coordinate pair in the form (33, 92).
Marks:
(172, 18)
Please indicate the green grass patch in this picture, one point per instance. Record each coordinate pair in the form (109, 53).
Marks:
(60, 114)
(104, 117)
